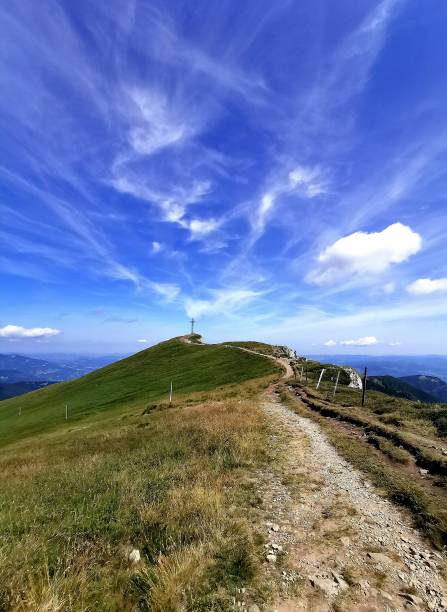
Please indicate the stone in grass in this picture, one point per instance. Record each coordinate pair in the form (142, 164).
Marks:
(134, 556)
(254, 608)
(271, 558)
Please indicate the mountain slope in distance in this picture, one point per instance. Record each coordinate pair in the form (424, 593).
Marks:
(18, 368)
(433, 385)
(398, 387)
(9, 390)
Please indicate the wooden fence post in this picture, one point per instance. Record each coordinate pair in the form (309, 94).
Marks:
(319, 380)
(336, 383)
(365, 377)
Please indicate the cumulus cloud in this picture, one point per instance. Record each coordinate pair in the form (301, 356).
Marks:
(223, 301)
(142, 340)
(425, 286)
(330, 343)
(17, 331)
(363, 253)
(365, 341)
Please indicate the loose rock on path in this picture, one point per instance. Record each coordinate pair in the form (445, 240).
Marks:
(332, 542)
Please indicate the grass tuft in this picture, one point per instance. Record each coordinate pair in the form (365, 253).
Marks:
(77, 498)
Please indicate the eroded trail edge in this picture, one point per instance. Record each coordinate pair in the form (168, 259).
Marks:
(333, 542)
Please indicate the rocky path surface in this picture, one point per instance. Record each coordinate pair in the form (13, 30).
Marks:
(332, 542)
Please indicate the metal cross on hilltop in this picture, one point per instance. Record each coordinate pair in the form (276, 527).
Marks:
(192, 326)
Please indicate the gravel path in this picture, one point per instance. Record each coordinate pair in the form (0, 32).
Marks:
(330, 532)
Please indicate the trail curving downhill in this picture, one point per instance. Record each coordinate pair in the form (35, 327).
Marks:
(333, 542)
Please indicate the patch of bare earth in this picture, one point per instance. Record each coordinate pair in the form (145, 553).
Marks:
(332, 542)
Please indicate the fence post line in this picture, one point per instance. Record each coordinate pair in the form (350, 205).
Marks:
(170, 394)
(365, 377)
(336, 383)
(319, 380)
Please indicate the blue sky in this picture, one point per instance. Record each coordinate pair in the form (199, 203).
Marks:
(275, 169)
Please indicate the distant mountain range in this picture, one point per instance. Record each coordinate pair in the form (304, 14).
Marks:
(395, 375)
(432, 385)
(398, 387)
(21, 374)
(19, 368)
(9, 390)
(392, 365)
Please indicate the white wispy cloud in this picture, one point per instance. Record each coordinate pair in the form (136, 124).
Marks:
(143, 341)
(201, 227)
(222, 74)
(426, 286)
(330, 343)
(363, 253)
(365, 341)
(168, 291)
(173, 205)
(154, 122)
(156, 247)
(307, 181)
(358, 52)
(17, 331)
(302, 181)
(223, 301)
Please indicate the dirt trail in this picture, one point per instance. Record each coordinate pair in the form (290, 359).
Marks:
(283, 361)
(333, 543)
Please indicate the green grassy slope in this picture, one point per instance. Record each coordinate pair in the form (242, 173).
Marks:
(433, 385)
(139, 380)
(134, 472)
(397, 387)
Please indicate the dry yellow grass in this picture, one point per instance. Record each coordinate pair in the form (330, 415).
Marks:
(171, 482)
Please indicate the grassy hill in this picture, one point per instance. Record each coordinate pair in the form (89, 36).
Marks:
(129, 471)
(139, 380)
